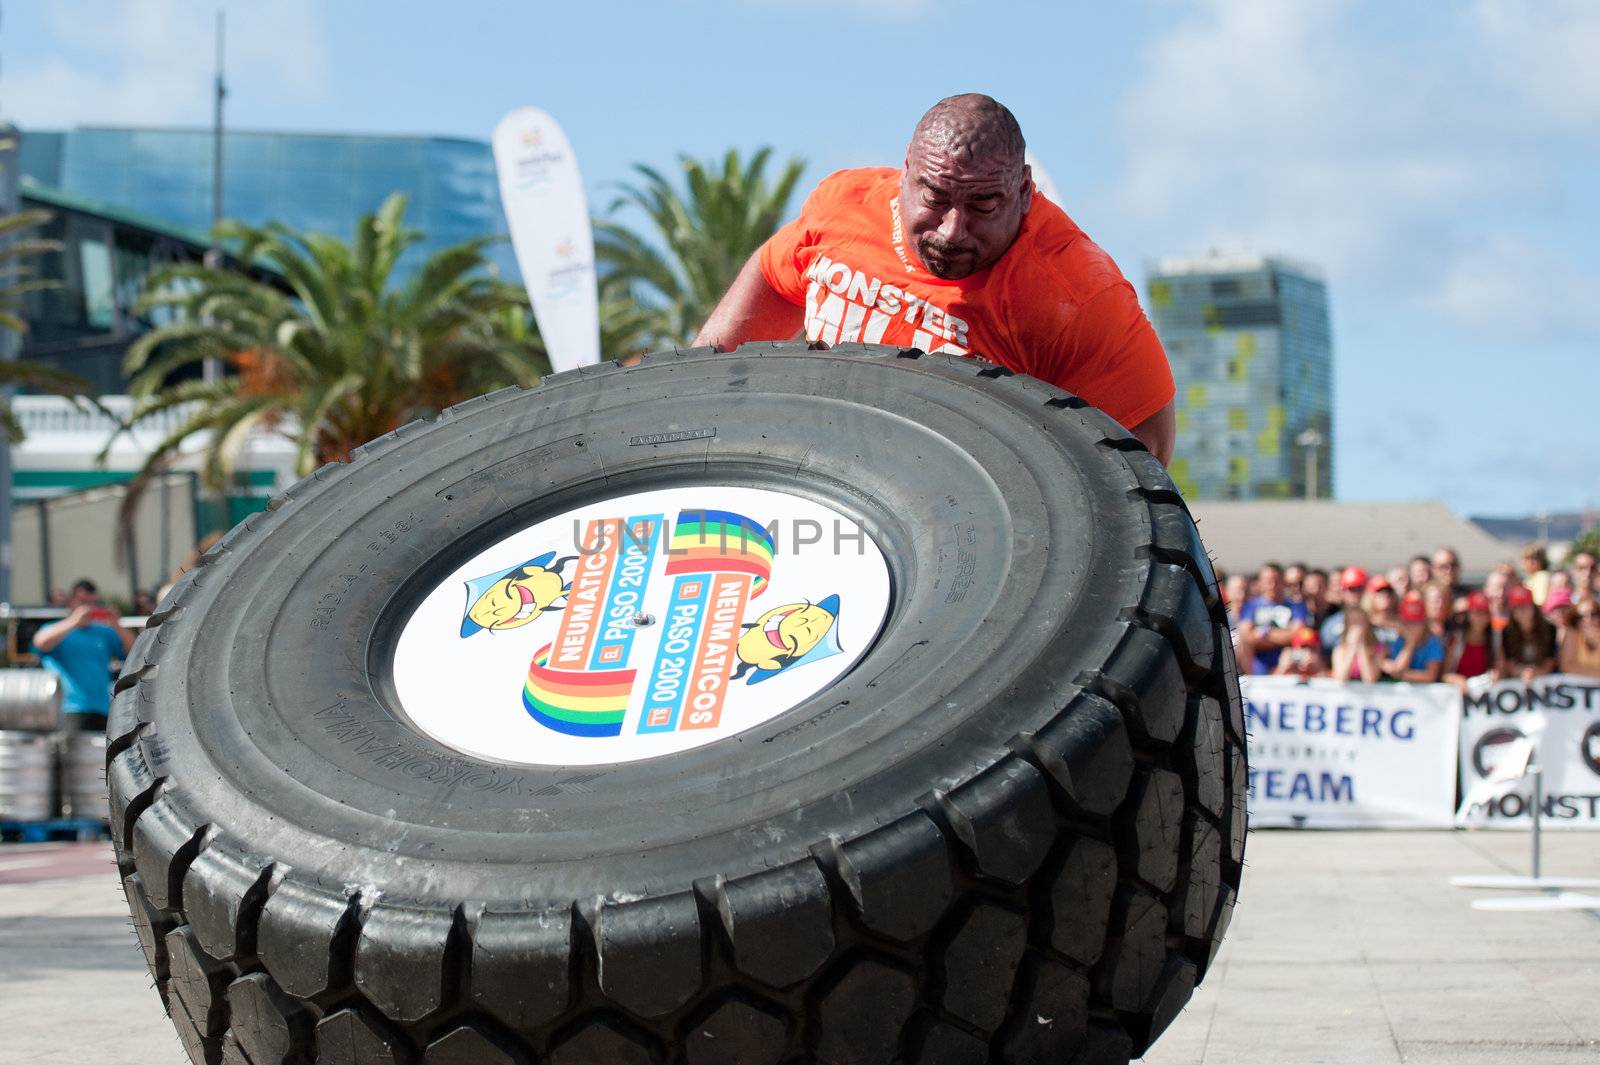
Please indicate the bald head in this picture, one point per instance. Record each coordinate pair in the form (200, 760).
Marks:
(971, 127)
(965, 187)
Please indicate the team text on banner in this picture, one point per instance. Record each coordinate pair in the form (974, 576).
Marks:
(1330, 755)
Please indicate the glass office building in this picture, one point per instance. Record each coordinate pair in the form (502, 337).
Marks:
(311, 181)
(1252, 353)
(85, 323)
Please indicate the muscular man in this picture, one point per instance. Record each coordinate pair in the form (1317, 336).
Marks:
(956, 252)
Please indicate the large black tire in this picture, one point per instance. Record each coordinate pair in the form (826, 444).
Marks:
(1013, 832)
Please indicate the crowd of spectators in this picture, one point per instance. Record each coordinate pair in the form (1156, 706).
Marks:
(1419, 622)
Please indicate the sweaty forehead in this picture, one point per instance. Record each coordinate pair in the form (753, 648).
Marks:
(957, 166)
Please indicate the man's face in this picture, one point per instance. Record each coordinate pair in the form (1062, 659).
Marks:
(1445, 566)
(82, 597)
(1269, 583)
(1583, 570)
(961, 214)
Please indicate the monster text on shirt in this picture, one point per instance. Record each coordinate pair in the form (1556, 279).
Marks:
(844, 304)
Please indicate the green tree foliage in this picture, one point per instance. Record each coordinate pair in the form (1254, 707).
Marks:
(1588, 540)
(696, 242)
(348, 357)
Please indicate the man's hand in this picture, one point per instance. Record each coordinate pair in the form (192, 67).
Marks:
(46, 639)
(750, 310)
(1279, 637)
(1158, 432)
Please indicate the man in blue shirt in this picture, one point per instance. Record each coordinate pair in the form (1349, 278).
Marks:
(1267, 620)
(80, 649)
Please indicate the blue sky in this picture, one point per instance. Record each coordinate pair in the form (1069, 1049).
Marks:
(1437, 161)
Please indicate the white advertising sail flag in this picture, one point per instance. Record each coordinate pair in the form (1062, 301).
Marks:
(1041, 178)
(549, 217)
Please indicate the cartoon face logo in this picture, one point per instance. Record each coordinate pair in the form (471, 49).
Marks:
(788, 636)
(512, 598)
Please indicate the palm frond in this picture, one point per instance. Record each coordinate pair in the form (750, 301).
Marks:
(695, 239)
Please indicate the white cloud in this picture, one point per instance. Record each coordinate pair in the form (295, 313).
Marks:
(1402, 164)
(1511, 288)
(150, 62)
(1548, 51)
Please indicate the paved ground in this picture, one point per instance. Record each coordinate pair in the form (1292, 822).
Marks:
(1347, 949)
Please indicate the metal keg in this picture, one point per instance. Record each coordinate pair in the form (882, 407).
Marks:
(30, 700)
(27, 764)
(83, 775)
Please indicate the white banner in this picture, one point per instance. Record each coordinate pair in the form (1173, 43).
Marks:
(1330, 755)
(545, 206)
(1560, 716)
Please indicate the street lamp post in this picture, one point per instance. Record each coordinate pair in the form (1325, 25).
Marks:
(1312, 441)
(211, 370)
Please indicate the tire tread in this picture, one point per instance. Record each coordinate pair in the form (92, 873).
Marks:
(1086, 879)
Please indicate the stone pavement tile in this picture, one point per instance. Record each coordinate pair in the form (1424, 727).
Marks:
(1572, 989)
(73, 987)
(1308, 919)
(1348, 947)
(1400, 919)
(74, 1017)
(1294, 1028)
(1297, 1014)
(1498, 1054)
(1468, 1002)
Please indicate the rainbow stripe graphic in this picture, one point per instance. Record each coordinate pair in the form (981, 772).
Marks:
(719, 541)
(578, 703)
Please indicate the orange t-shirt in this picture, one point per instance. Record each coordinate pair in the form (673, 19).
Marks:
(1055, 306)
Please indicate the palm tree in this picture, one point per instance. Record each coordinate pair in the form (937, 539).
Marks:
(696, 245)
(348, 357)
(16, 281)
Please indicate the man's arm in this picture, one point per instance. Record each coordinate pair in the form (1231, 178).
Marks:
(750, 310)
(46, 639)
(1158, 432)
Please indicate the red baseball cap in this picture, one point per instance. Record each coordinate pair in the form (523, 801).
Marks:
(1353, 577)
(1519, 596)
(1412, 608)
(1380, 583)
(1303, 637)
(1478, 601)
